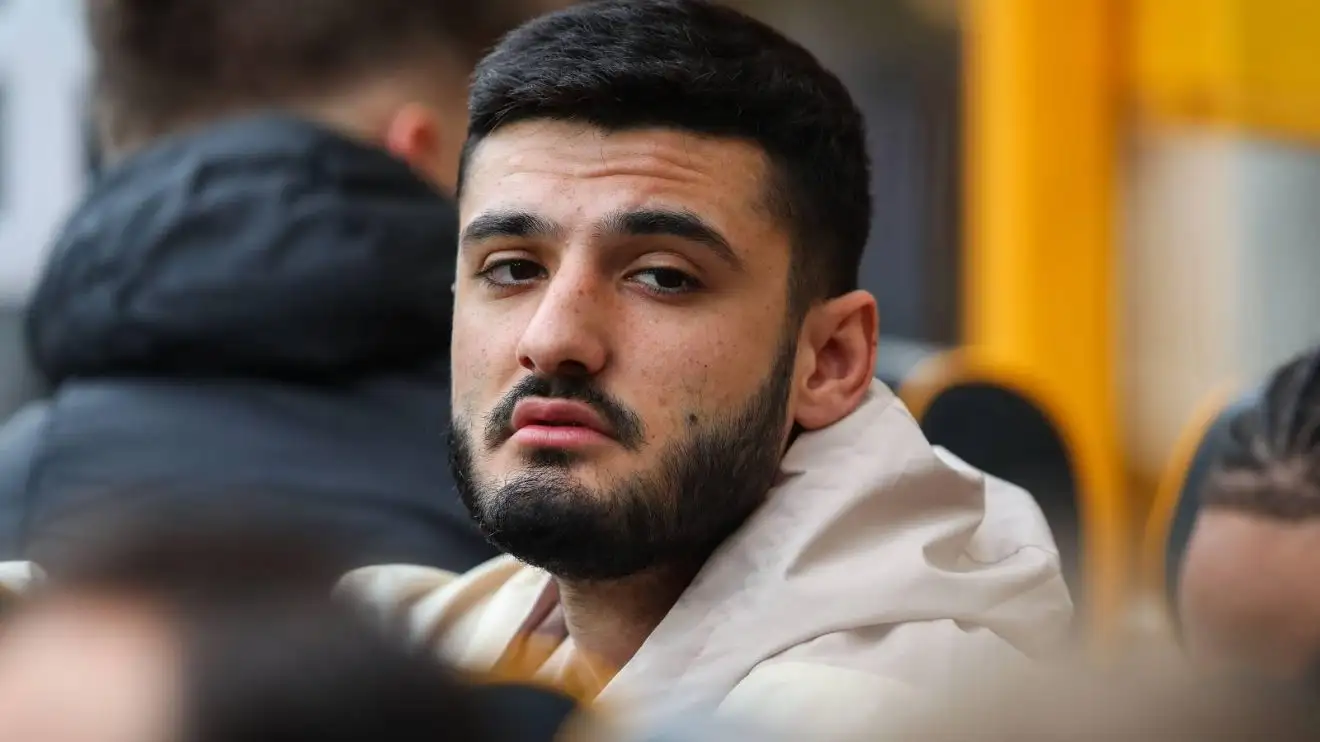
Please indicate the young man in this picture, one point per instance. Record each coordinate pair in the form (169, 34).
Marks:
(1247, 595)
(663, 396)
(257, 296)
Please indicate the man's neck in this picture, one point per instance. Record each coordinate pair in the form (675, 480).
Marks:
(609, 621)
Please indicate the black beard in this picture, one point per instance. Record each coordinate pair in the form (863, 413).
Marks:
(707, 484)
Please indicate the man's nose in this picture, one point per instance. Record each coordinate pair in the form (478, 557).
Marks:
(566, 335)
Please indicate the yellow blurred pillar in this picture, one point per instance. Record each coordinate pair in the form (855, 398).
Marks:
(1040, 292)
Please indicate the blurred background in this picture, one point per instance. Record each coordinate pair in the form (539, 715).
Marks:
(1095, 220)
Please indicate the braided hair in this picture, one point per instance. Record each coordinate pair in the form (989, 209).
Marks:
(1272, 466)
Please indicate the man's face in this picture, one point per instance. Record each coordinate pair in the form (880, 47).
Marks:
(623, 354)
(88, 670)
(1248, 596)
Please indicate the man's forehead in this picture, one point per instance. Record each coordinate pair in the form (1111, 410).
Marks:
(569, 138)
(564, 179)
(548, 157)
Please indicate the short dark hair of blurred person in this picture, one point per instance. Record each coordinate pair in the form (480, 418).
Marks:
(1249, 594)
(213, 630)
(256, 293)
(665, 408)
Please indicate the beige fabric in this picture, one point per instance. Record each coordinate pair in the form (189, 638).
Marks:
(878, 572)
(15, 578)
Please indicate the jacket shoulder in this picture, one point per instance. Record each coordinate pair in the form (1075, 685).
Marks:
(20, 444)
(445, 611)
(852, 683)
(390, 591)
(358, 461)
(15, 580)
(819, 701)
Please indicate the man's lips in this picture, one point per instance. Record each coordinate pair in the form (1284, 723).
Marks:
(557, 423)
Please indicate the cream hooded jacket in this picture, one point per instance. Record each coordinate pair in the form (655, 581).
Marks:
(880, 571)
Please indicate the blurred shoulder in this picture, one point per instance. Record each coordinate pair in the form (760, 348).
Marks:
(435, 607)
(16, 578)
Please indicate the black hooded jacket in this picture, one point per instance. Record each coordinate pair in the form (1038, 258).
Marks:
(260, 308)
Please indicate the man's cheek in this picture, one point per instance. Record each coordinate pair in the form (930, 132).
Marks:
(470, 368)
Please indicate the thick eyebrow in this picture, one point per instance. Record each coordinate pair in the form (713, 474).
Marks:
(681, 224)
(508, 224)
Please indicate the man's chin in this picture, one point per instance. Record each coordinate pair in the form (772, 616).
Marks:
(556, 523)
(559, 459)
(571, 551)
(585, 476)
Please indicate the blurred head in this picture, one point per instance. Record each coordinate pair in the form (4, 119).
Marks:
(1153, 703)
(663, 207)
(1248, 593)
(216, 633)
(389, 71)
(116, 663)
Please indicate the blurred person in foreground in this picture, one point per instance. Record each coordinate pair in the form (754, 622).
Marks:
(257, 293)
(664, 403)
(1152, 702)
(1248, 596)
(212, 630)
(201, 627)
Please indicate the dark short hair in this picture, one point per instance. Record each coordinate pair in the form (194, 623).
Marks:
(161, 64)
(1272, 464)
(701, 67)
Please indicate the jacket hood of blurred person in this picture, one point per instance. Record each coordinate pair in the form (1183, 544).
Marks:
(259, 305)
(267, 247)
(879, 570)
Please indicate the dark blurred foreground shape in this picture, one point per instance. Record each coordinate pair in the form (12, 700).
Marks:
(203, 627)
(161, 625)
(206, 628)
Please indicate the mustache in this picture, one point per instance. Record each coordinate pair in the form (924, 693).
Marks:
(626, 424)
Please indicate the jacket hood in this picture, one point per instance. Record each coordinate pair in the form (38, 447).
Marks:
(265, 246)
(871, 533)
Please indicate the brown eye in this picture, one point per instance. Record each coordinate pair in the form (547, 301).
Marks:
(666, 281)
(513, 272)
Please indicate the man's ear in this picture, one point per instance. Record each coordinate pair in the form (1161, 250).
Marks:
(414, 134)
(836, 359)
